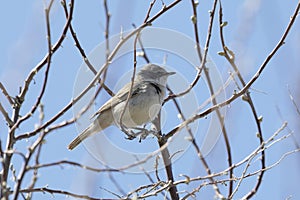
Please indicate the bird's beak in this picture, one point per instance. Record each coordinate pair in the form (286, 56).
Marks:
(170, 73)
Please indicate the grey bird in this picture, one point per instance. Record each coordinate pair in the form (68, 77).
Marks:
(147, 95)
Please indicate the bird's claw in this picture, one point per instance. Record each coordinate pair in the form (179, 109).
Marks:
(141, 132)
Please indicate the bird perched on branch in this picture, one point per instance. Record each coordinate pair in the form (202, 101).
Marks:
(144, 103)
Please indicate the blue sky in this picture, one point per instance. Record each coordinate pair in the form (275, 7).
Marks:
(253, 30)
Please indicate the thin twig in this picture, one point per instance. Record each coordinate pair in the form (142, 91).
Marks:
(144, 54)
(8, 97)
(37, 156)
(106, 32)
(6, 116)
(203, 66)
(254, 153)
(62, 192)
(50, 53)
(207, 179)
(82, 52)
(41, 64)
(117, 185)
(162, 141)
(293, 101)
(239, 93)
(150, 187)
(229, 56)
(72, 163)
(104, 66)
(131, 85)
(149, 11)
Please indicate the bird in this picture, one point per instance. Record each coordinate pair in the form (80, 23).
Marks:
(145, 101)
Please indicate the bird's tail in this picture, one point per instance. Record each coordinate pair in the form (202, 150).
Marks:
(82, 136)
(100, 123)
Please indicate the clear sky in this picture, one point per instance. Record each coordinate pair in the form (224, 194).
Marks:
(254, 28)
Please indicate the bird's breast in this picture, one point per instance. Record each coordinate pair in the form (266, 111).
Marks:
(142, 107)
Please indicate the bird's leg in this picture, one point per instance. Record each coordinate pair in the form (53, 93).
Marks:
(130, 134)
(143, 132)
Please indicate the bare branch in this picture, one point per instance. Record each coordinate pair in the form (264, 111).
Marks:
(62, 192)
(6, 117)
(293, 101)
(42, 63)
(8, 97)
(95, 79)
(75, 164)
(23, 171)
(162, 141)
(174, 186)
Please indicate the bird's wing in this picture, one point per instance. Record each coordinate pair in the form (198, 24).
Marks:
(121, 96)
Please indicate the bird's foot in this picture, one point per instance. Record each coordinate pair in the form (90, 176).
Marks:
(140, 132)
